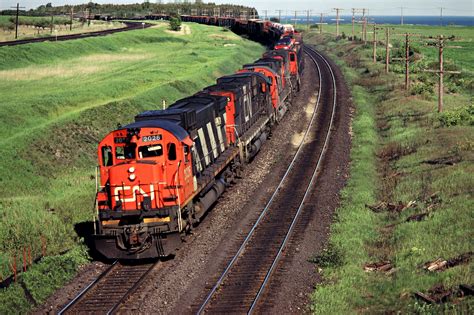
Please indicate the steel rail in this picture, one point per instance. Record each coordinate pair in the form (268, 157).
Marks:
(269, 203)
(307, 192)
(87, 288)
(116, 305)
(130, 26)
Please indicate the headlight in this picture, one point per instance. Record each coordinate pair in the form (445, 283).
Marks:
(132, 177)
(131, 169)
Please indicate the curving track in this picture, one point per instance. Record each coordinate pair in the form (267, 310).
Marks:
(239, 288)
(109, 290)
(129, 26)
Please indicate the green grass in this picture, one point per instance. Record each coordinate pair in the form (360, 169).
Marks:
(390, 120)
(40, 26)
(60, 98)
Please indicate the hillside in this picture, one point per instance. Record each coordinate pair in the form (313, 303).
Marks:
(401, 241)
(58, 100)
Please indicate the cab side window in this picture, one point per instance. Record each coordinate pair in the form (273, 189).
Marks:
(171, 148)
(107, 159)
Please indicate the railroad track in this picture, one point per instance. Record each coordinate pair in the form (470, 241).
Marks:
(129, 26)
(106, 294)
(240, 287)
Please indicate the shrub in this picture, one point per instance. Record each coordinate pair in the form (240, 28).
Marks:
(175, 23)
(460, 116)
(423, 89)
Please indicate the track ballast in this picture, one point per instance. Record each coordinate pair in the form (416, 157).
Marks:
(243, 282)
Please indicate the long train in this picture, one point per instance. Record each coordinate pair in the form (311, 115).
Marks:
(160, 174)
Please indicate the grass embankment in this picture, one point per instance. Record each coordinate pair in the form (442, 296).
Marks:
(35, 26)
(409, 199)
(58, 100)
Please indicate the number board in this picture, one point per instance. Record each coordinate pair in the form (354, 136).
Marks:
(151, 138)
(120, 140)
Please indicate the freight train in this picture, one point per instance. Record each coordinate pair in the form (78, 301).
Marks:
(160, 174)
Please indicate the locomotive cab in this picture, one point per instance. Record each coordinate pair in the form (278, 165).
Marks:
(145, 171)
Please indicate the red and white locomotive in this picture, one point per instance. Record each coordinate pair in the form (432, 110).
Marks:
(160, 174)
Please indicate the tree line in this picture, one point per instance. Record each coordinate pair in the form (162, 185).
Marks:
(138, 9)
(35, 22)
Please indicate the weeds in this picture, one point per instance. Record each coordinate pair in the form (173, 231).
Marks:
(330, 256)
(463, 116)
(416, 157)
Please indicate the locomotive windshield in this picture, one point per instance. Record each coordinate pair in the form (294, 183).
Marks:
(284, 41)
(149, 151)
(125, 152)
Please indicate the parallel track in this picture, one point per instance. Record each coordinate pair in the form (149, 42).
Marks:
(129, 27)
(106, 294)
(241, 285)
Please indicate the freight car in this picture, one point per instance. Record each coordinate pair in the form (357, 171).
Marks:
(160, 174)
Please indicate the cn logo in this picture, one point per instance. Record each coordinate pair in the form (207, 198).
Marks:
(121, 192)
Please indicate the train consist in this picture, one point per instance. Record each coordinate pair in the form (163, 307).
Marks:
(160, 174)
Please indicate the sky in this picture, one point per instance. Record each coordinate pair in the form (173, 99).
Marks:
(380, 7)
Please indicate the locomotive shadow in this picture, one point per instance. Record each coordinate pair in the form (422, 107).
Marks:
(85, 230)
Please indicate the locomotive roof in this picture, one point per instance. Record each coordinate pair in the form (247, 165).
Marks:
(168, 125)
(279, 52)
(271, 64)
(235, 87)
(200, 101)
(253, 66)
(248, 74)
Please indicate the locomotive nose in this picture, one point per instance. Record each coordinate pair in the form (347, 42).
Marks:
(133, 186)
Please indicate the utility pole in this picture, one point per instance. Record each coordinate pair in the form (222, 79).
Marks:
(354, 11)
(296, 18)
(364, 29)
(407, 61)
(266, 14)
(320, 24)
(308, 15)
(401, 15)
(279, 15)
(407, 58)
(387, 49)
(441, 15)
(353, 18)
(16, 19)
(52, 23)
(337, 19)
(364, 26)
(72, 16)
(374, 52)
(441, 71)
(441, 45)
